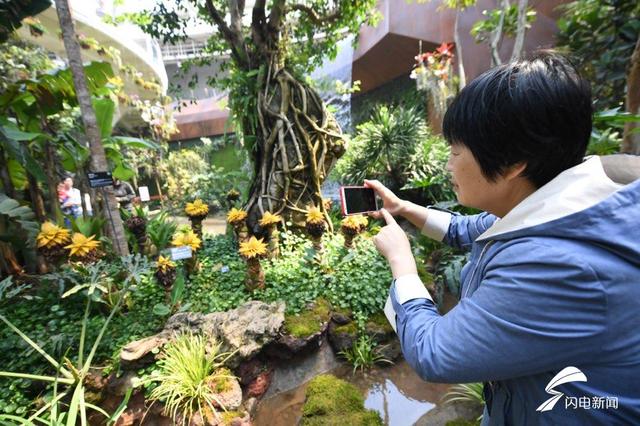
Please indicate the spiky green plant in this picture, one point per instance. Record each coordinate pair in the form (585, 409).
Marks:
(467, 392)
(363, 355)
(69, 375)
(187, 376)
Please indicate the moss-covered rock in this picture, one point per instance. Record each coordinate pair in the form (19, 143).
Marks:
(331, 401)
(310, 321)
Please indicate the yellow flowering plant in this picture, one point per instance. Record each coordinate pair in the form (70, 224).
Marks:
(187, 238)
(314, 215)
(165, 263)
(253, 248)
(236, 216)
(81, 246)
(269, 219)
(52, 235)
(197, 208)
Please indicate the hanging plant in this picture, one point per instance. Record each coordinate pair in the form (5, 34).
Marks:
(434, 74)
(35, 26)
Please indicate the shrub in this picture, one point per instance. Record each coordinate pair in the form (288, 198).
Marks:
(397, 148)
(189, 377)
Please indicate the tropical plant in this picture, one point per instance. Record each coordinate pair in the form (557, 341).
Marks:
(269, 222)
(601, 36)
(266, 62)
(160, 231)
(428, 170)
(606, 134)
(72, 376)
(190, 376)
(316, 226)
(252, 251)
(381, 147)
(363, 355)
(17, 229)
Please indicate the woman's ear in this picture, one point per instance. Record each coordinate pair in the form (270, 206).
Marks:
(514, 170)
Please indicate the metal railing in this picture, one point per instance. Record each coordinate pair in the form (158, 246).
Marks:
(183, 50)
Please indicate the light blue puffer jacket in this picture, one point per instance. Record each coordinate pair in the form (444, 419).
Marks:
(553, 284)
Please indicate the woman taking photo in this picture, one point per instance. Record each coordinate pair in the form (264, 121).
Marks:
(553, 281)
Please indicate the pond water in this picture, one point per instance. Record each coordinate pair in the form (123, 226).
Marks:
(396, 392)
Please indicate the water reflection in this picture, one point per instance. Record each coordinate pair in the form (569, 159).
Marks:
(397, 393)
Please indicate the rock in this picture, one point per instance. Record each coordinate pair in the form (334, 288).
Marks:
(230, 398)
(340, 318)
(302, 333)
(140, 352)
(249, 370)
(243, 331)
(119, 385)
(293, 373)
(441, 414)
(259, 386)
(251, 405)
(342, 337)
(287, 346)
(390, 350)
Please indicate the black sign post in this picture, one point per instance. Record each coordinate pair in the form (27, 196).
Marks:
(102, 180)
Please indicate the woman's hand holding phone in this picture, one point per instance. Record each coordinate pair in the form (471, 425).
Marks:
(391, 202)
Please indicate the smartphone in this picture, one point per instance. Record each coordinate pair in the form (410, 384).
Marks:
(357, 199)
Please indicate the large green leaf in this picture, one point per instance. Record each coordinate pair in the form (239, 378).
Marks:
(21, 220)
(18, 151)
(105, 109)
(134, 143)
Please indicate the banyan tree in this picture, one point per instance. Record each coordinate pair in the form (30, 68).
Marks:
(292, 139)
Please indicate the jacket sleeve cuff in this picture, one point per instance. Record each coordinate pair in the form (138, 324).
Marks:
(409, 287)
(437, 224)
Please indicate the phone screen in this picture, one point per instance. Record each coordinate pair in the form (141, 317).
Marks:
(358, 199)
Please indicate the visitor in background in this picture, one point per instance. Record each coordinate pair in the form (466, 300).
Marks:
(124, 194)
(73, 202)
(548, 314)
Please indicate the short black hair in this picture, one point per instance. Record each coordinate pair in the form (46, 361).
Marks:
(536, 110)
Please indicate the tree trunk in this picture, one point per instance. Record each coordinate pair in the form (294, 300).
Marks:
(297, 144)
(631, 141)
(52, 182)
(36, 198)
(98, 157)
(496, 36)
(456, 39)
(5, 177)
(521, 30)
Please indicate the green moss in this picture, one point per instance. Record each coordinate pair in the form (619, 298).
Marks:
(350, 328)
(379, 320)
(331, 401)
(309, 322)
(228, 416)
(222, 380)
